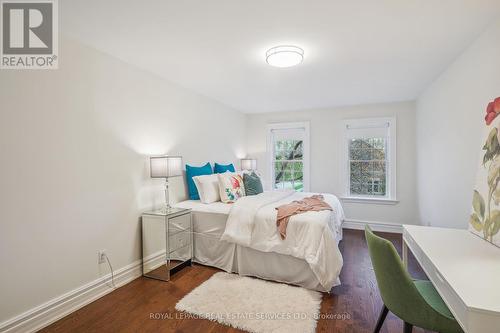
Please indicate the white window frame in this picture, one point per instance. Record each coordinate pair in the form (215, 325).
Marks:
(305, 150)
(391, 167)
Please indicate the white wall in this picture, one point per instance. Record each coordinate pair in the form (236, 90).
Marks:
(326, 150)
(74, 147)
(450, 121)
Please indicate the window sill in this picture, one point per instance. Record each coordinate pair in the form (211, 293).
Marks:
(375, 201)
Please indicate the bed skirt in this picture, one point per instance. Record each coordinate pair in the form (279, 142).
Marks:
(232, 258)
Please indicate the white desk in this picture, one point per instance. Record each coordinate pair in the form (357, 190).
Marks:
(465, 271)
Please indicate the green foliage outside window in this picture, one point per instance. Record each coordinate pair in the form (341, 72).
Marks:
(288, 165)
(367, 165)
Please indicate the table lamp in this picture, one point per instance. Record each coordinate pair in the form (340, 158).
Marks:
(248, 164)
(166, 167)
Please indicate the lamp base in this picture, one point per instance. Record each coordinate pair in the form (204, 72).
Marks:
(167, 209)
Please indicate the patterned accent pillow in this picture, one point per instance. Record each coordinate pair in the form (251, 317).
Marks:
(231, 187)
(252, 183)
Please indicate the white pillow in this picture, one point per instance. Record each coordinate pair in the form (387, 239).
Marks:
(208, 188)
(231, 187)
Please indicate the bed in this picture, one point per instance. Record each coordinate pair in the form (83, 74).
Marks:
(242, 238)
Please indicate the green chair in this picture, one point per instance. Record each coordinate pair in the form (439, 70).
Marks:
(417, 303)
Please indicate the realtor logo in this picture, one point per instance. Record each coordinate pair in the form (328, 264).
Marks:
(29, 34)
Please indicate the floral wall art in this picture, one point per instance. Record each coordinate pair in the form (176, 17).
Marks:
(485, 217)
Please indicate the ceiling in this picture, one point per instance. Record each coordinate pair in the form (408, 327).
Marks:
(356, 51)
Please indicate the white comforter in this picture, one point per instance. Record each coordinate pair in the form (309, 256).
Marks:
(311, 236)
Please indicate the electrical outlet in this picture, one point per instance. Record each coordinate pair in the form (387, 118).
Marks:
(101, 257)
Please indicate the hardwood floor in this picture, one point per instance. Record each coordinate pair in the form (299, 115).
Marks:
(133, 307)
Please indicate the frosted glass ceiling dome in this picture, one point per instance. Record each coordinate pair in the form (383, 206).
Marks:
(284, 56)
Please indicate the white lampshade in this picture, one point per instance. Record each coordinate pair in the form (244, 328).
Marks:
(248, 164)
(166, 166)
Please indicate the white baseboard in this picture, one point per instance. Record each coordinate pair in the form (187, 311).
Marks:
(375, 225)
(59, 307)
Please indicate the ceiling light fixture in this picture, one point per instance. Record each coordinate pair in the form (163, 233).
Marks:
(284, 56)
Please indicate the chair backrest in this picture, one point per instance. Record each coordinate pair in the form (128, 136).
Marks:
(395, 284)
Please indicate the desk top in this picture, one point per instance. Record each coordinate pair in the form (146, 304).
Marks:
(469, 264)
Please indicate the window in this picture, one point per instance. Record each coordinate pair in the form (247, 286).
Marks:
(288, 148)
(370, 147)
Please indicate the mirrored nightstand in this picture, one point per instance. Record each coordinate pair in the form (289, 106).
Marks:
(167, 242)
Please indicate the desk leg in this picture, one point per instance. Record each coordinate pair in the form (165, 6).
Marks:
(405, 255)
